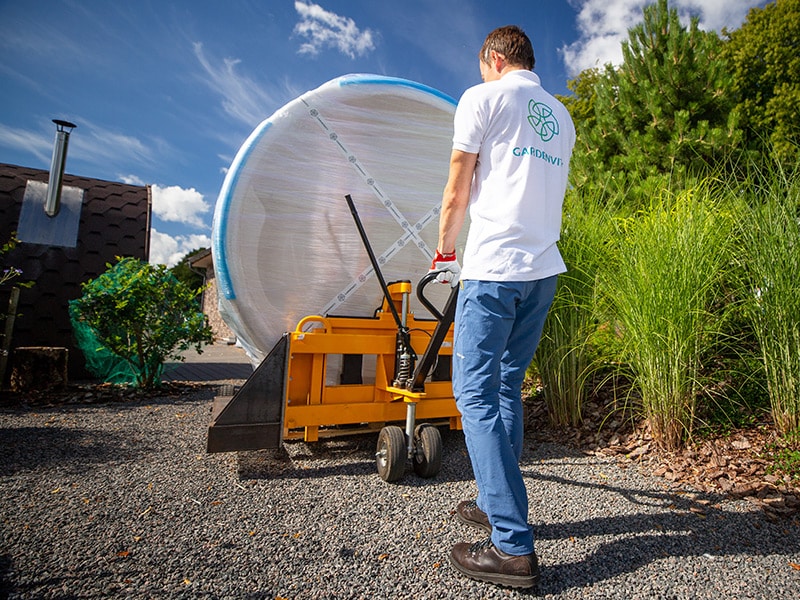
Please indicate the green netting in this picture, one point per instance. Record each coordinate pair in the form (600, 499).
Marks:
(100, 361)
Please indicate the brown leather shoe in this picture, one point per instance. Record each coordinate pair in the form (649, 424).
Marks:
(484, 562)
(468, 513)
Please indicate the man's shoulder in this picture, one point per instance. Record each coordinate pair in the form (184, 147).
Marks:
(479, 90)
(512, 84)
(487, 92)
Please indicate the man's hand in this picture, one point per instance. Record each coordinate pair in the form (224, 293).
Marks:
(447, 268)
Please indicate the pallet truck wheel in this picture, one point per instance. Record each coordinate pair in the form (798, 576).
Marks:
(427, 450)
(390, 456)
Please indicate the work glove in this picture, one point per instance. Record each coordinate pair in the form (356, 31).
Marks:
(446, 267)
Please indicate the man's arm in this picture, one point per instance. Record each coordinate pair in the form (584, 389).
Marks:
(455, 199)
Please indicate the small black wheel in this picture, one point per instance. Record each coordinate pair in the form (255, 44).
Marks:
(427, 450)
(390, 456)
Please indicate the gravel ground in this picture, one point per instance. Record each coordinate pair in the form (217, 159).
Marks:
(121, 500)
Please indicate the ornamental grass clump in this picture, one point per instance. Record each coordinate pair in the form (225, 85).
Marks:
(564, 358)
(660, 287)
(770, 261)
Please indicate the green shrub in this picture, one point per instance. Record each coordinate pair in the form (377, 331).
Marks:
(142, 314)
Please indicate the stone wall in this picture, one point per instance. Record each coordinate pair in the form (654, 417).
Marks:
(222, 333)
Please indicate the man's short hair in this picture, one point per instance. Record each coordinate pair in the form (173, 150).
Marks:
(512, 43)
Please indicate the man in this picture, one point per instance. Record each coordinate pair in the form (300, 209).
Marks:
(511, 150)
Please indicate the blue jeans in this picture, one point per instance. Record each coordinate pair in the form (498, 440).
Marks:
(497, 328)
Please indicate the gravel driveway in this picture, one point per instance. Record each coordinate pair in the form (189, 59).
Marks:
(121, 500)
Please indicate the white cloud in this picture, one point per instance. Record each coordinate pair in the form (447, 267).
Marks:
(132, 180)
(88, 142)
(100, 142)
(168, 250)
(242, 98)
(603, 25)
(35, 142)
(716, 14)
(179, 205)
(326, 29)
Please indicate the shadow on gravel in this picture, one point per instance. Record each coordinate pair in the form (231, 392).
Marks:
(303, 460)
(688, 525)
(355, 455)
(352, 455)
(31, 448)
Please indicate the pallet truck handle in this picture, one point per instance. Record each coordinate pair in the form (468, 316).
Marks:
(444, 320)
(421, 295)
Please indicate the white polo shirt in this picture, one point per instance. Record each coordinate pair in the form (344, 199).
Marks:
(523, 137)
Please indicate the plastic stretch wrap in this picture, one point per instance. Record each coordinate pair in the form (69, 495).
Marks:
(284, 242)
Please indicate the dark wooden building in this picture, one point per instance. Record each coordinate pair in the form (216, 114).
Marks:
(110, 219)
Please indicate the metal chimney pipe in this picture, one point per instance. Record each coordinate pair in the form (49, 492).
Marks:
(53, 201)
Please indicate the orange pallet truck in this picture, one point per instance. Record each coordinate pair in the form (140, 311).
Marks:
(290, 397)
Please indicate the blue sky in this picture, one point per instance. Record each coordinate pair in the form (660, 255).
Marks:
(165, 92)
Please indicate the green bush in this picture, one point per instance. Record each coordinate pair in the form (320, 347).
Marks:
(142, 314)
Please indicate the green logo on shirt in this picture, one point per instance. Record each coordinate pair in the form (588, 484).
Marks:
(541, 118)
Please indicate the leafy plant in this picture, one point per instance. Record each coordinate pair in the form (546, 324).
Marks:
(11, 273)
(142, 314)
(763, 57)
(785, 456)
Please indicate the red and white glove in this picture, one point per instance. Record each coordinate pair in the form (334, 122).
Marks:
(447, 268)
